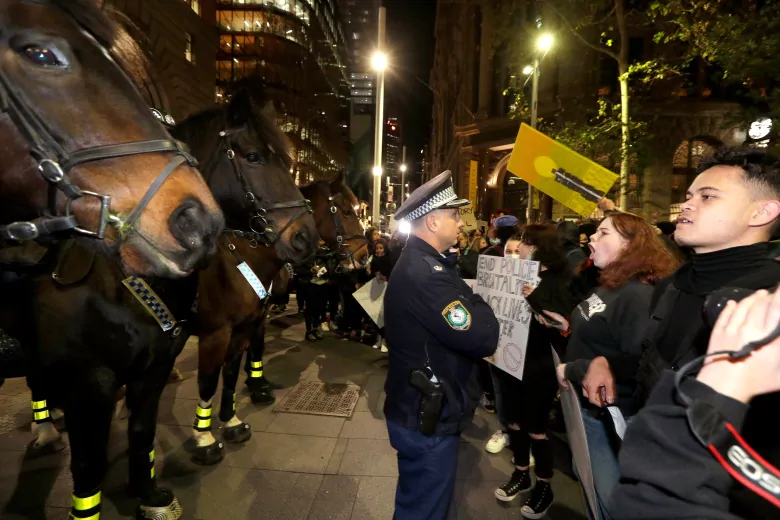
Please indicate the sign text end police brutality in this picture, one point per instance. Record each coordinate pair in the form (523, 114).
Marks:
(508, 277)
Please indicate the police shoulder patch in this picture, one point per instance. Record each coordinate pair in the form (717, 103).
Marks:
(457, 316)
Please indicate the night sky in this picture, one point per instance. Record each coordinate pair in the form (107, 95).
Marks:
(410, 44)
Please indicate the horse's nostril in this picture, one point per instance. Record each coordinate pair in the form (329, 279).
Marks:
(188, 224)
(300, 240)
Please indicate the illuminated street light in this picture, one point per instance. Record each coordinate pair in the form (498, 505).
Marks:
(379, 61)
(404, 227)
(377, 171)
(544, 43)
(528, 70)
(403, 167)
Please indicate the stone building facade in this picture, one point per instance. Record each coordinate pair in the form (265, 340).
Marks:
(182, 39)
(474, 131)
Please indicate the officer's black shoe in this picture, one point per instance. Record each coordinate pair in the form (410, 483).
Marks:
(310, 336)
(539, 501)
(519, 483)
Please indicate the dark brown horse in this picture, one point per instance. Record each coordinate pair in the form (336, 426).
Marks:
(81, 154)
(95, 329)
(231, 316)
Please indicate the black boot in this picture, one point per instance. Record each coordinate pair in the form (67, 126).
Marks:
(520, 482)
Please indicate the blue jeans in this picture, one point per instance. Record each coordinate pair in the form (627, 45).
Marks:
(603, 461)
(426, 473)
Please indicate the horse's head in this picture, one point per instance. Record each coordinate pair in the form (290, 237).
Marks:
(247, 164)
(80, 151)
(335, 213)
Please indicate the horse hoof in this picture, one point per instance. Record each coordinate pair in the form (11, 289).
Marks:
(209, 455)
(237, 434)
(172, 511)
(262, 395)
(41, 449)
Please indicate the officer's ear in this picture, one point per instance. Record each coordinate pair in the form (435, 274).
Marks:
(430, 222)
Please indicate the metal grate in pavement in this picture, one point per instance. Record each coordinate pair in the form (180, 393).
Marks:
(315, 398)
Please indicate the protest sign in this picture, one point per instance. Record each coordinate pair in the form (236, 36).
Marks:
(467, 215)
(500, 282)
(563, 174)
(371, 297)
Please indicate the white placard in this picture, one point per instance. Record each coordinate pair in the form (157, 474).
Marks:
(371, 297)
(500, 282)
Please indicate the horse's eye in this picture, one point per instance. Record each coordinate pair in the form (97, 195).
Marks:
(43, 56)
(254, 158)
(347, 212)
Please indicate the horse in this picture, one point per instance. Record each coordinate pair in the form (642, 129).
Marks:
(231, 317)
(82, 155)
(114, 330)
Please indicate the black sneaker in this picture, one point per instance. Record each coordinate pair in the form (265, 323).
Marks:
(519, 483)
(539, 501)
(318, 334)
(310, 336)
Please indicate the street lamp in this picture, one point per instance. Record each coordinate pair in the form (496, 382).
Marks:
(527, 70)
(379, 64)
(543, 45)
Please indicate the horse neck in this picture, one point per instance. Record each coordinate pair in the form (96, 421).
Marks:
(265, 262)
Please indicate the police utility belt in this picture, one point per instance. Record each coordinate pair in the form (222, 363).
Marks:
(433, 398)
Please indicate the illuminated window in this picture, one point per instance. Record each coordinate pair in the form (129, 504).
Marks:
(194, 4)
(188, 54)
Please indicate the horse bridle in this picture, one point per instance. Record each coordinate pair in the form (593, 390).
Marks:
(54, 163)
(261, 231)
(338, 226)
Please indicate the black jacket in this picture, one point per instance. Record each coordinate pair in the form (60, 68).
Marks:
(428, 307)
(664, 471)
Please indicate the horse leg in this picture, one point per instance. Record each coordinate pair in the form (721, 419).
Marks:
(143, 399)
(259, 386)
(235, 431)
(88, 413)
(42, 427)
(212, 348)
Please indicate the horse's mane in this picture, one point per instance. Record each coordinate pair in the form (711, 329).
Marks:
(111, 29)
(345, 192)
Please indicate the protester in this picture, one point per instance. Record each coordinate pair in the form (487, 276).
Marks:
(667, 472)
(437, 329)
(609, 325)
(528, 403)
(468, 262)
(381, 266)
(503, 229)
(569, 233)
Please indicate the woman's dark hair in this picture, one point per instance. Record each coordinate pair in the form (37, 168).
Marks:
(504, 233)
(383, 243)
(549, 249)
(645, 256)
(588, 228)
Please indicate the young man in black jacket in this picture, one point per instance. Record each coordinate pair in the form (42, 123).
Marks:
(666, 471)
(732, 209)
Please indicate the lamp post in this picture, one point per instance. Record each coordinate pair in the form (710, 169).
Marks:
(543, 45)
(379, 63)
(403, 173)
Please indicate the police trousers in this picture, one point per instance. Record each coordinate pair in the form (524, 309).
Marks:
(426, 473)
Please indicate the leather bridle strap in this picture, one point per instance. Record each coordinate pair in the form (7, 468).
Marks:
(22, 231)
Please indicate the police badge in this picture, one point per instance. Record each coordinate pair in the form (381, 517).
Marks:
(457, 316)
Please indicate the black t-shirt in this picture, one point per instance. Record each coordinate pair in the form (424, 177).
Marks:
(610, 323)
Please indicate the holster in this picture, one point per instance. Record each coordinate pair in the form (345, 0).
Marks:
(431, 403)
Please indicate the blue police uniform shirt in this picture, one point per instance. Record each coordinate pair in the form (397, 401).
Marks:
(428, 304)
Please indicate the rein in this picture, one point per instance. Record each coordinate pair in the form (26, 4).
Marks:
(261, 230)
(338, 225)
(55, 163)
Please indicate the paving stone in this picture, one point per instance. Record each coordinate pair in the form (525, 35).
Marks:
(302, 424)
(331, 510)
(276, 451)
(365, 425)
(338, 487)
(375, 499)
(369, 394)
(338, 455)
(475, 501)
(369, 457)
(301, 499)
(474, 463)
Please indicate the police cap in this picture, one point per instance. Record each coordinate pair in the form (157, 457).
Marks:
(437, 193)
(506, 221)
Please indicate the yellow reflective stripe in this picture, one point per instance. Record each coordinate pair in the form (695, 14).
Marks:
(39, 405)
(203, 413)
(39, 416)
(203, 423)
(82, 504)
(152, 471)
(151, 456)
(257, 364)
(256, 373)
(96, 516)
(234, 402)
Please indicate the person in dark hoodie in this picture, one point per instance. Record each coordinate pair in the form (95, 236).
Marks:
(733, 207)
(569, 233)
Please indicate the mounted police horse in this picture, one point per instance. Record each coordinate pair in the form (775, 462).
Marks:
(97, 328)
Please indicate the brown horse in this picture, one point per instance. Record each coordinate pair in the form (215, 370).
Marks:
(231, 316)
(82, 154)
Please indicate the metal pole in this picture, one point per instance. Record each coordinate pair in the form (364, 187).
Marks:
(380, 118)
(529, 213)
(403, 173)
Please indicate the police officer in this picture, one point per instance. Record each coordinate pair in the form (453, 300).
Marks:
(437, 329)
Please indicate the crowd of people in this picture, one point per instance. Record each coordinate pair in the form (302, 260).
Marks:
(621, 302)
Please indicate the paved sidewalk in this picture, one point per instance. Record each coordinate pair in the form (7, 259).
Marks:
(294, 466)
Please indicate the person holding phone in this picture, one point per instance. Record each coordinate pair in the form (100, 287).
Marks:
(608, 326)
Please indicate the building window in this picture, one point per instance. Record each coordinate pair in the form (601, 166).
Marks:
(188, 54)
(194, 4)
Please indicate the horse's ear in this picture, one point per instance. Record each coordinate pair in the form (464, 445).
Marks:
(240, 108)
(269, 110)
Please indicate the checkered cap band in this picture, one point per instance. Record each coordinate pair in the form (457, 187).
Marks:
(437, 201)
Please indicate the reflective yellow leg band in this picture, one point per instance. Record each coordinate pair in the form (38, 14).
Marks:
(151, 461)
(83, 504)
(255, 373)
(257, 364)
(234, 402)
(39, 405)
(202, 418)
(96, 516)
(39, 416)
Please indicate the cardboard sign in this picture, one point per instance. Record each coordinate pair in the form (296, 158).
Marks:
(500, 282)
(573, 180)
(467, 215)
(372, 297)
